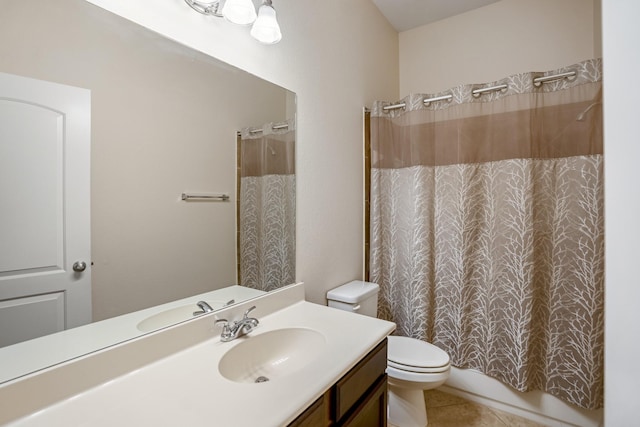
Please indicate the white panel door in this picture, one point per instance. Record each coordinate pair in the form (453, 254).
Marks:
(45, 131)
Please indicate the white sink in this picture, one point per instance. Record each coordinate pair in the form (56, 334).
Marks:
(174, 315)
(271, 355)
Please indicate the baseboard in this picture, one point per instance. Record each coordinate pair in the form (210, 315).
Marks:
(535, 406)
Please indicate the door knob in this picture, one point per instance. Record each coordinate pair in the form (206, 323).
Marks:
(79, 266)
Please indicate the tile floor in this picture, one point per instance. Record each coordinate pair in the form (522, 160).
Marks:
(447, 410)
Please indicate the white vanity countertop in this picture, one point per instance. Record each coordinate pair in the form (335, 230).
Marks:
(186, 388)
(29, 356)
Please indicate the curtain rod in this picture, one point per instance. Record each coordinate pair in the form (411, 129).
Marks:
(274, 127)
(394, 106)
(425, 101)
(477, 92)
(537, 82)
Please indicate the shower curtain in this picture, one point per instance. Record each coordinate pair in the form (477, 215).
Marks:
(267, 206)
(487, 228)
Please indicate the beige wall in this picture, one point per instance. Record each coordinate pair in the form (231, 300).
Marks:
(336, 63)
(498, 40)
(164, 120)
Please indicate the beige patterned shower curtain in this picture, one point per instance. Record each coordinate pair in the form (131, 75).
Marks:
(267, 206)
(487, 228)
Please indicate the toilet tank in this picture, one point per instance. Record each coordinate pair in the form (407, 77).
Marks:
(357, 296)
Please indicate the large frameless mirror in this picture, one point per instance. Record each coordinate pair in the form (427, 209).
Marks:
(186, 154)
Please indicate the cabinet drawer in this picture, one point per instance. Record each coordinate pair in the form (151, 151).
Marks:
(355, 384)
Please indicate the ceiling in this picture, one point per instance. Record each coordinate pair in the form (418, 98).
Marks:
(407, 14)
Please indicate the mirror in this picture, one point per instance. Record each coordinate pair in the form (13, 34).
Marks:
(165, 120)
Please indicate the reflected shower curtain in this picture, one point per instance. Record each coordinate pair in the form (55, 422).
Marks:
(267, 207)
(487, 229)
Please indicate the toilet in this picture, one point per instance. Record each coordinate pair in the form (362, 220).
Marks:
(412, 365)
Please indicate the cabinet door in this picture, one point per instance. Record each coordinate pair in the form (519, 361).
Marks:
(317, 415)
(357, 399)
(354, 385)
(373, 410)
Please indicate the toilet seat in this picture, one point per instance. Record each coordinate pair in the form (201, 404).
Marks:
(417, 380)
(412, 355)
(418, 369)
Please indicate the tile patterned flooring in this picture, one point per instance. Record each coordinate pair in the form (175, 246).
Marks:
(447, 410)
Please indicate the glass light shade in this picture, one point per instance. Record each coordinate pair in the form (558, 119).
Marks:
(266, 29)
(240, 12)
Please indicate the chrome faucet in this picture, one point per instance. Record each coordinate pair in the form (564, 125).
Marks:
(204, 308)
(238, 328)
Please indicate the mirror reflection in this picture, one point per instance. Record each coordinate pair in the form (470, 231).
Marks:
(266, 206)
(163, 120)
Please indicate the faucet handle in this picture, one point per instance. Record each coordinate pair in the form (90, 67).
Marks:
(226, 333)
(246, 313)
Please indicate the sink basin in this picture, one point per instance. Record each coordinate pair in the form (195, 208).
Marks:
(174, 315)
(271, 355)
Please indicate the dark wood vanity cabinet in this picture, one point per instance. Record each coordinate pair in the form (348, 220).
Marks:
(358, 399)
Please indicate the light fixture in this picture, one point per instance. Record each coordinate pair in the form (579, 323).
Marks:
(241, 12)
(266, 29)
(265, 25)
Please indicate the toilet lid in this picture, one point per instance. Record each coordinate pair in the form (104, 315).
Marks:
(411, 352)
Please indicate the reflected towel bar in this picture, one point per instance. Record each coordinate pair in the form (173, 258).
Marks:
(206, 197)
